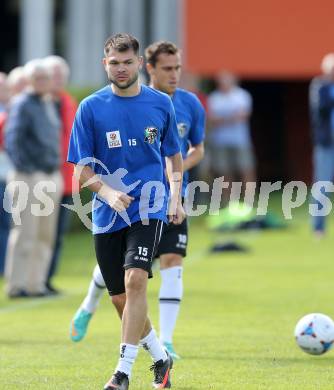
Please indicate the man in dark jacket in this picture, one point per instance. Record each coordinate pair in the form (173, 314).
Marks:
(32, 140)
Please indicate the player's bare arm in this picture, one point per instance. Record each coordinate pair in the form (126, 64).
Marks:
(194, 156)
(117, 200)
(174, 166)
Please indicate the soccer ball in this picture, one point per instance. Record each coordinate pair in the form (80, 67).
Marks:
(314, 333)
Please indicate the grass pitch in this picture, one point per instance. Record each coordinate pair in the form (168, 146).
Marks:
(235, 329)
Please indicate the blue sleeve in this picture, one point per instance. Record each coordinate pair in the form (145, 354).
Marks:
(197, 130)
(170, 143)
(82, 135)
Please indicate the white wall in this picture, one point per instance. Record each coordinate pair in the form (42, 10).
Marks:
(36, 29)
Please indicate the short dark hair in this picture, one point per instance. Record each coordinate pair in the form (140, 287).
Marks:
(153, 51)
(121, 42)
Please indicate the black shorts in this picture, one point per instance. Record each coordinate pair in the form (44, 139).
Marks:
(174, 239)
(132, 247)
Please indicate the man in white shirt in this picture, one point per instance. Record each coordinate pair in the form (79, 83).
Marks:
(229, 110)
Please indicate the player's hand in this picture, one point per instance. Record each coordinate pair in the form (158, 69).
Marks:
(117, 200)
(176, 213)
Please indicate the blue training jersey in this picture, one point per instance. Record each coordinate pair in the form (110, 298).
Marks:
(128, 138)
(190, 117)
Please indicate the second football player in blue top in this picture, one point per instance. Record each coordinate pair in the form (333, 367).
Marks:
(164, 67)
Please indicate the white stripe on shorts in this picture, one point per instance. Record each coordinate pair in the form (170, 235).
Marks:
(155, 237)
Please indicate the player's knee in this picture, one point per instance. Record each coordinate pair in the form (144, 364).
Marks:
(135, 281)
(170, 260)
(119, 301)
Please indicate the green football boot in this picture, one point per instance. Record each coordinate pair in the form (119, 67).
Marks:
(170, 349)
(79, 324)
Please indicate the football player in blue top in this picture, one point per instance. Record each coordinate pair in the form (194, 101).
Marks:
(120, 138)
(164, 67)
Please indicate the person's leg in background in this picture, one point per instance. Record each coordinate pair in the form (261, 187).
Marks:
(63, 224)
(4, 228)
(22, 236)
(222, 166)
(323, 170)
(246, 159)
(46, 233)
(246, 165)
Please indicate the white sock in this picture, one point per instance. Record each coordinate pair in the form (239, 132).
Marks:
(95, 291)
(153, 346)
(128, 354)
(170, 296)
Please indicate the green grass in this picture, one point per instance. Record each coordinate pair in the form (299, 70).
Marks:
(235, 330)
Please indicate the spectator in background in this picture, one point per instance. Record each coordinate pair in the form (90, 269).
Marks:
(17, 81)
(229, 110)
(66, 107)
(322, 121)
(4, 169)
(32, 141)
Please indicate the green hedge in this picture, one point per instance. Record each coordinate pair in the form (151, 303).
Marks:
(80, 93)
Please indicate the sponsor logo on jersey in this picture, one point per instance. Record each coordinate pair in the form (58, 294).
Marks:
(151, 134)
(114, 139)
(182, 128)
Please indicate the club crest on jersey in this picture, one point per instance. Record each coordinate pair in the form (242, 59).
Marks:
(182, 128)
(114, 139)
(151, 134)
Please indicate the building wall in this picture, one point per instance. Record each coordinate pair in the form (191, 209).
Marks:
(260, 38)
